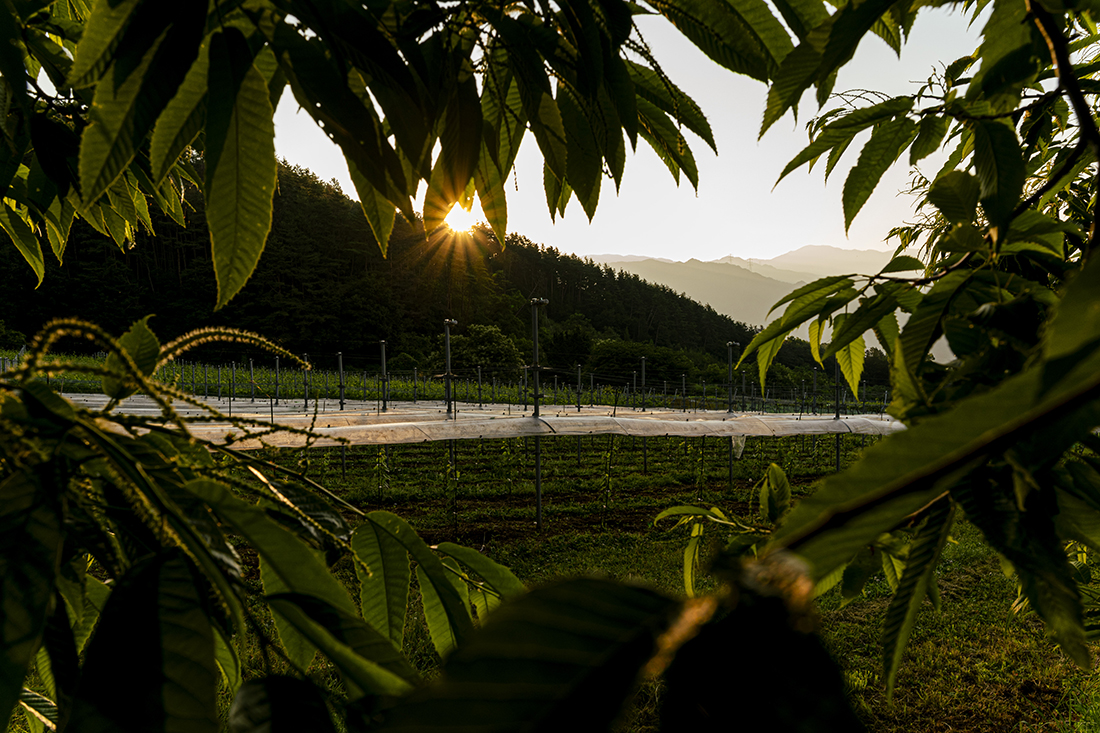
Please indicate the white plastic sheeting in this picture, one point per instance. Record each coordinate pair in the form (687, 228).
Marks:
(365, 424)
(333, 431)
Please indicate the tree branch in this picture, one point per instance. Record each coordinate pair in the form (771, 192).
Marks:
(1067, 81)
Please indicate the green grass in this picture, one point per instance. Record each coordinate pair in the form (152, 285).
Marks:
(973, 666)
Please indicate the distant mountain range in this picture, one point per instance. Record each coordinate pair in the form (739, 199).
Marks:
(745, 289)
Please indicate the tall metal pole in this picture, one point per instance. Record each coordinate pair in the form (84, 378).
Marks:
(683, 392)
(340, 367)
(643, 389)
(305, 381)
(535, 303)
(480, 402)
(252, 379)
(276, 380)
(729, 376)
(578, 387)
(447, 323)
(385, 378)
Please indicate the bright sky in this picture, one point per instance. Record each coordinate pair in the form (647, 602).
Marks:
(736, 210)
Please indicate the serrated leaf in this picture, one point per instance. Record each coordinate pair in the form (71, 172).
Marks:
(103, 30)
(583, 163)
(277, 702)
(24, 240)
(154, 633)
(241, 167)
(850, 357)
(30, 548)
(667, 97)
(671, 147)
(925, 325)
(143, 347)
(742, 35)
(924, 554)
(183, 118)
(841, 130)
(460, 148)
(495, 575)
(956, 196)
(366, 659)
(384, 593)
(151, 62)
(453, 615)
(902, 264)
(568, 646)
(857, 573)
(378, 210)
(802, 16)
(1000, 168)
(933, 128)
(887, 143)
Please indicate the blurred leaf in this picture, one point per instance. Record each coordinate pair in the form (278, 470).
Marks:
(956, 196)
(570, 646)
(278, 704)
(1000, 170)
(30, 549)
(155, 634)
(24, 240)
(143, 347)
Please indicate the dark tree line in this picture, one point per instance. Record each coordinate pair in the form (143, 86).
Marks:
(324, 285)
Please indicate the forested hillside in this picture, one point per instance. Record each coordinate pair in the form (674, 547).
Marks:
(323, 286)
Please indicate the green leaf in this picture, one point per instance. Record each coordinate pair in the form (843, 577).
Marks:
(143, 347)
(775, 495)
(827, 47)
(741, 35)
(671, 147)
(866, 317)
(802, 16)
(182, 120)
(365, 658)
(455, 615)
(666, 96)
(495, 575)
(584, 164)
(933, 128)
(924, 554)
(30, 549)
(907, 470)
(926, 324)
(850, 357)
(384, 593)
(956, 196)
(841, 130)
(279, 704)
(297, 567)
(300, 651)
(691, 559)
(155, 634)
(823, 286)
(149, 64)
(23, 239)
(902, 264)
(856, 574)
(103, 30)
(460, 142)
(378, 210)
(240, 162)
(562, 648)
(1000, 169)
(887, 143)
(1076, 322)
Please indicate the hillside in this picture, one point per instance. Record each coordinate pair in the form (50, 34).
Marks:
(323, 286)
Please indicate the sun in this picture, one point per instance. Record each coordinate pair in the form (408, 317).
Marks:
(461, 220)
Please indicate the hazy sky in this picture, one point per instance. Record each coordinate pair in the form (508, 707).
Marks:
(736, 211)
